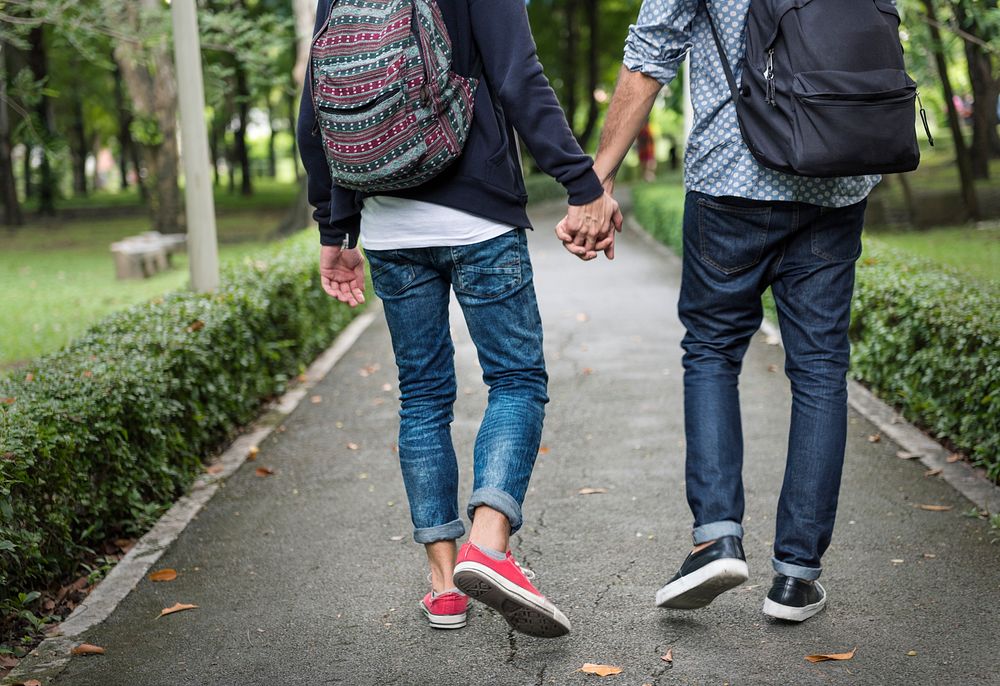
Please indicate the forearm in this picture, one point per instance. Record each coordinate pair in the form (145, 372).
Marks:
(630, 107)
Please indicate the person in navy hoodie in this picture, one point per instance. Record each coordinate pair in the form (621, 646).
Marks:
(466, 231)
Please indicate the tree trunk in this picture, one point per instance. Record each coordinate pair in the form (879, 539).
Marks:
(124, 128)
(962, 156)
(243, 117)
(984, 92)
(292, 102)
(570, 61)
(593, 72)
(148, 69)
(38, 62)
(29, 187)
(12, 214)
(300, 213)
(272, 155)
(80, 149)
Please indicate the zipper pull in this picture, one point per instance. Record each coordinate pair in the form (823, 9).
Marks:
(769, 95)
(923, 118)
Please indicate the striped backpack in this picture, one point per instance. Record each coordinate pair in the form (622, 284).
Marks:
(390, 111)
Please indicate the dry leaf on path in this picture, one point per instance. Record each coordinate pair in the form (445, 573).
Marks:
(773, 368)
(954, 457)
(264, 471)
(669, 657)
(599, 670)
(252, 453)
(177, 607)
(30, 682)
(87, 649)
(163, 575)
(582, 317)
(591, 491)
(587, 371)
(936, 508)
(316, 399)
(933, 472)
(544, 450)
(904, 455)
(214, 469)
(831, 656)
(875, 438)
(353, 446)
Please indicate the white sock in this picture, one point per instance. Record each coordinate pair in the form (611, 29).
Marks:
(489, 552)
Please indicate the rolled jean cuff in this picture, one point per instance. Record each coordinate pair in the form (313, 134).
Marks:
(796, 571)
(500, 501)
(714, 530)
(445, 532)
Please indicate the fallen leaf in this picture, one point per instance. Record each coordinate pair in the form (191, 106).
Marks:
(215, 469)
(316, 399)
(897, 562)
(669, 657)
(353, 446)
(599, 670)
(929, 556)
(591, 491)
(936, 508)
(904, 455)
(163, 575)
(87, 649)
(264, 471)
(587, 371)
(252, 453)
(302, 378)
(582, 317)
(544, 450)
(773, 368)
(933, 472)
(387, 387)
(875, 438)
(177, 607)
(954, 457)
(831, 656)
(911, 653)
(196, 325)
(31, 682)
(396, 538)
(124, 544)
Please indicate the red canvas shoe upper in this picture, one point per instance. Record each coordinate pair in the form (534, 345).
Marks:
(446, 604)
(507, 567)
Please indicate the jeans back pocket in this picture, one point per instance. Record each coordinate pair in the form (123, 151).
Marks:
(732, 237)
(491, 268)
(391, 275)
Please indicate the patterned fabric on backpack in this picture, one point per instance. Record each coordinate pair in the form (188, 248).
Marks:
(391, 112)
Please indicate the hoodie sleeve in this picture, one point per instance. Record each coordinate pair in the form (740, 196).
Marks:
(510, 65)
(336, 210)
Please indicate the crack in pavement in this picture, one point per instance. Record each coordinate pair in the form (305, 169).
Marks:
(541, 676)
(512, 643)
(618, 579)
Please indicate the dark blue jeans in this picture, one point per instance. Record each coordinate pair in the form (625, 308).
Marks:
(493, 283)
(733, 250)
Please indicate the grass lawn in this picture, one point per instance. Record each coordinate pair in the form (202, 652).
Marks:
(973, 252)
(57, 277)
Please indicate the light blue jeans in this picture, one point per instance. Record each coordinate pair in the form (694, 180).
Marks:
(493, 283)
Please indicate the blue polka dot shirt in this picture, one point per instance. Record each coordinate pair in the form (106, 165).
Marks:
(717, 161)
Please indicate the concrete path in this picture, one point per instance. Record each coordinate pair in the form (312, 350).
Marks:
(310, 576)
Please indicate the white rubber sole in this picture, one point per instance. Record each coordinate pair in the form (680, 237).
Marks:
(794, 614)
(525, 612)
(701, 586)
(444, 621)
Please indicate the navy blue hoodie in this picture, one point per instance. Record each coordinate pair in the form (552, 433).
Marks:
(514, 95)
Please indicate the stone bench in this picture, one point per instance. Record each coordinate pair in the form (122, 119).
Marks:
(140, 257)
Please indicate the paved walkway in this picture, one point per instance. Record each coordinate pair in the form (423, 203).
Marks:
(310, 576)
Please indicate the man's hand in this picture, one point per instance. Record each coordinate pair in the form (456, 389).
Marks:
(342, 273)
(589, 229)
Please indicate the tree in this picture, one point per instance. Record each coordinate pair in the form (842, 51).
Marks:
(980, 28)
(147, 66)
(13, 216)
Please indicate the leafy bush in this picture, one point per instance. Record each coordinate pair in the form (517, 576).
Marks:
(924, 339)
(98, 439)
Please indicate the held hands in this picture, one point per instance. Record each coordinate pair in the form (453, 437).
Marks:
(342, 272)
(590, 229)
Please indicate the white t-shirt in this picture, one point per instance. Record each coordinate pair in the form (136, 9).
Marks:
(390, 223)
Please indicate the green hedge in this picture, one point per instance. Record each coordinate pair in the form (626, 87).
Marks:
(924, 339)
(98, 439)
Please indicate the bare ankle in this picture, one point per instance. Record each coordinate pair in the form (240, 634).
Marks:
(490, 529)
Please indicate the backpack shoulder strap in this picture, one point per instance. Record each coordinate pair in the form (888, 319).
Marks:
(733, 88)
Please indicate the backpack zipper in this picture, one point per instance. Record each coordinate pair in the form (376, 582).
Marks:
(769, 94)
(923, 118)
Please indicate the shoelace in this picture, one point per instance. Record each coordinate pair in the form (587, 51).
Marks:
(528, 574)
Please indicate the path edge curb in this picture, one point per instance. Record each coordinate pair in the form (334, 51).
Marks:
(960, 475)
(52, 655)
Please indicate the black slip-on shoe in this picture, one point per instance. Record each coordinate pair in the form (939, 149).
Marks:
(705, 574)
(794, 600)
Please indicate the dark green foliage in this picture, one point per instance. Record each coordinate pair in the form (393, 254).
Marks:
(925, 339)
(928, 341)
(98, 439)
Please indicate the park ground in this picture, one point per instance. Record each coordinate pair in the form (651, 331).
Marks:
(310, 576)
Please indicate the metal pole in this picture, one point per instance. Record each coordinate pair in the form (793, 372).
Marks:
(203, 250)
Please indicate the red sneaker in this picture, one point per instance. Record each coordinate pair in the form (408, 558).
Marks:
(446, 611)
(502, 585)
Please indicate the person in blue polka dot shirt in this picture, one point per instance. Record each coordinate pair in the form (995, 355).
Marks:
(746, 228)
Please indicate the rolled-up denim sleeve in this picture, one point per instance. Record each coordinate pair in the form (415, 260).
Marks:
(660, 38)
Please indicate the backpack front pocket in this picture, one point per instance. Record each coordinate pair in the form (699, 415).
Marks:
(848, 123)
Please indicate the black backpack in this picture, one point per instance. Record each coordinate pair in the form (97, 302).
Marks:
(824, 89)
